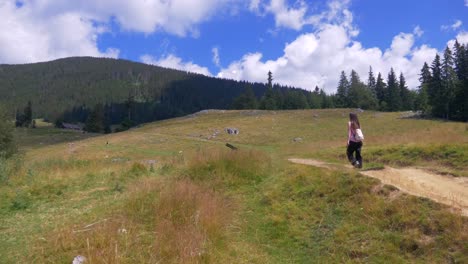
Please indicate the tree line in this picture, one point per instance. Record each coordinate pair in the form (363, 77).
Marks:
(444, 85)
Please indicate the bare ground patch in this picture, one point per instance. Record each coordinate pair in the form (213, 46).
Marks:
(444, 189)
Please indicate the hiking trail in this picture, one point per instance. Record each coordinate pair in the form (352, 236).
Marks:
(448, 190)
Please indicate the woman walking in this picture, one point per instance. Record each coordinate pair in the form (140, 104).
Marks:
(355, 138)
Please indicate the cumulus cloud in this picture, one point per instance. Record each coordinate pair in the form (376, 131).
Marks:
(296, 16)
(38, 30)
(317, 58)
(288, 17)
(462, 38)
(174, 62)
(26, 36)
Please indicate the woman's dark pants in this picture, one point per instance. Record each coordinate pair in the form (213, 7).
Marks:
(354, 147)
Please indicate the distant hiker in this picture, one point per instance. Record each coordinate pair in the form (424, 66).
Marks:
(355, 138)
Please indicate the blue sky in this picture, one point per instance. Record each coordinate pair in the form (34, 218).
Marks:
(304, 43)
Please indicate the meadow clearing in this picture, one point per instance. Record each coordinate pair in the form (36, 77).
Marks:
(172, 192)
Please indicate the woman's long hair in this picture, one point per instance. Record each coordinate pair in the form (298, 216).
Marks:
(354, 121)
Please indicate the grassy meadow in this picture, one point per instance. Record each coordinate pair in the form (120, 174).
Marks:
(172, 192)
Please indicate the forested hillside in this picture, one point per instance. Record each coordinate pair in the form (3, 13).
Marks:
(61, 85)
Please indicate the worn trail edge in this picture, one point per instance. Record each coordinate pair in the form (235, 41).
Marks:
(443, 189)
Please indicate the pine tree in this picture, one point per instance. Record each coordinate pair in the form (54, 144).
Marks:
(460, 102)
(342, 91)
(359, 95)
(327, 101)
(380, 92)
(24, 119)
(246, 100)
(460, 61)
(28, 115)
(422, 101)
(435, 89)
(315, 99)
(95, 122)
(371, 82)
(270, 79)
(406, 96)
(449, 83)
(354, 89)
(268, 101)
(394, 96)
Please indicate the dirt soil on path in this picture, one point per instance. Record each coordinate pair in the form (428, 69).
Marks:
(444, 189)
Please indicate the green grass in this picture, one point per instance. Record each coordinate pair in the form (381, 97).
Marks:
(245, 206)
(453, 157)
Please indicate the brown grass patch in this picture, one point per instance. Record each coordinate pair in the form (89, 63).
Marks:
(190, 220)
(162, 222)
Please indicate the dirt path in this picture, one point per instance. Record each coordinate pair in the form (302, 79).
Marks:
(443, 189)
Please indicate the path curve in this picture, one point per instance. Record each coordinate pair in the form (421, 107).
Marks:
(447, 190)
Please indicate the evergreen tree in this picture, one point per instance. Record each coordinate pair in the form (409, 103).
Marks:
(460, 102)
(422, 101)
(315, 99)
(278, 97)
(460, 61)
(327, 101)
(380, 90)
(406, 96)
(435, 89)
(95, 122)
(393, 99)
(28, 115)
(24, 119)
(268, 100)
(359, 95)
(449, 83)
(371, 82)
(301, 100)
(246, 100)
(270, 79)
(354, 90)
(342, 91)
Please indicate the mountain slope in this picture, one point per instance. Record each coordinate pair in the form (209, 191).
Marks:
(56, 86)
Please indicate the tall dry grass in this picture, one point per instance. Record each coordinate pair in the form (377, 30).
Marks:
(162, 221)
(190, 220)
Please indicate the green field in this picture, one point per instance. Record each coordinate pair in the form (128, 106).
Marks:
(172, 192)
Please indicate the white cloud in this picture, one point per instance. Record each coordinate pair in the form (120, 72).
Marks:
(39, 30)
(26, 36)
(288, 17)
(457, 24)
(317, 58)
(296, 17)
(466, 3)
(215, 52)
(418, 32)
(462, 38)
(174, 62)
